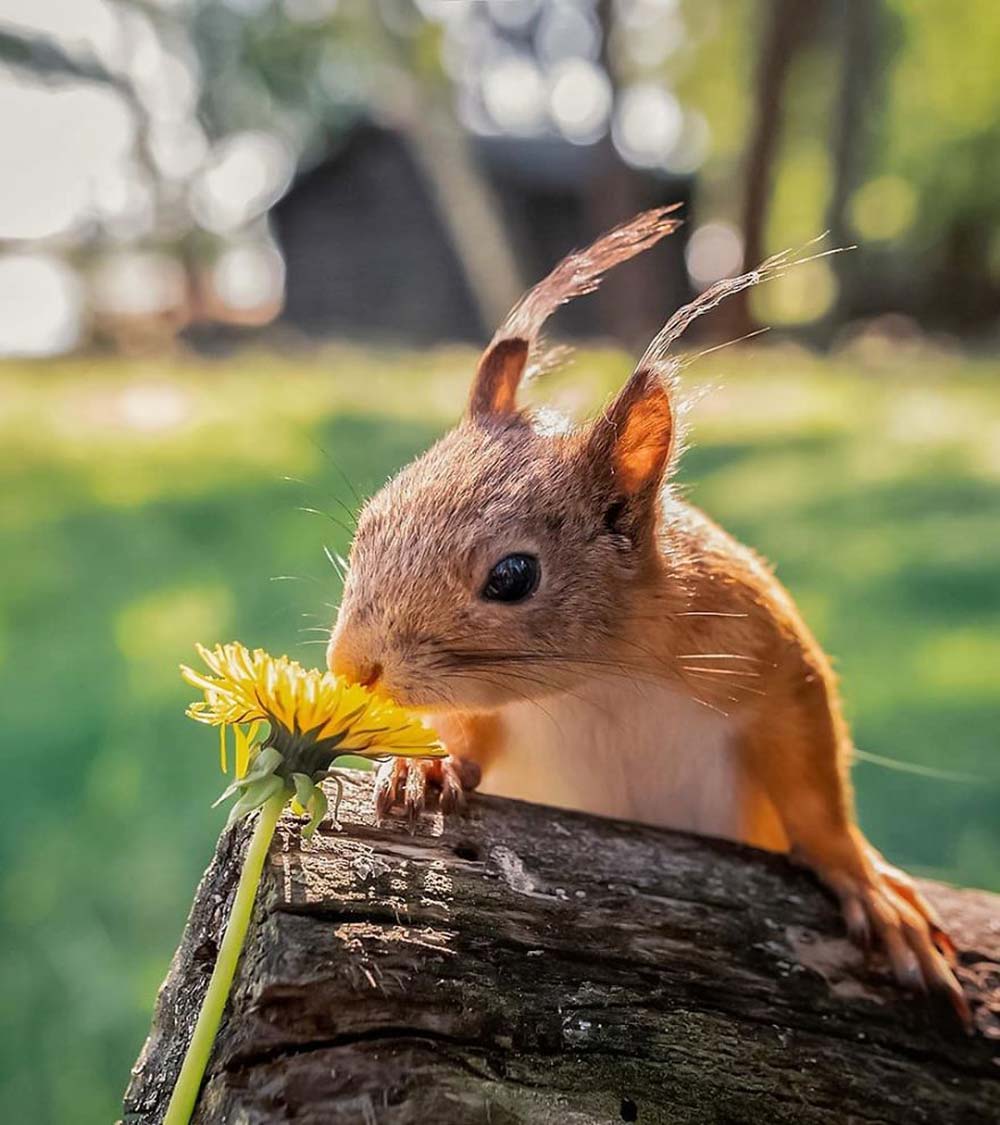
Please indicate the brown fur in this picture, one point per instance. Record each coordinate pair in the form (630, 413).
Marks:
(637, 586)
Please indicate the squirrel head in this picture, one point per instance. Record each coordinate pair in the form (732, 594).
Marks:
(499, 565)
(515, 556)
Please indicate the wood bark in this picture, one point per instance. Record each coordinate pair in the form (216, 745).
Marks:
(525, 964)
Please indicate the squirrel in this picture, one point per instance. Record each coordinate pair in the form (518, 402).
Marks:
(582, 636)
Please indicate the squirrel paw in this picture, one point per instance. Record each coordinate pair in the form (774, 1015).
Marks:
(905, 887)
(416, 783)
(890, 911)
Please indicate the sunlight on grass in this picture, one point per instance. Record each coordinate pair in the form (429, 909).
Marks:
(168, 431)
(960, 664)
(156, 630)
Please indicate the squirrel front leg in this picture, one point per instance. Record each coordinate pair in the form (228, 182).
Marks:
(797, 749)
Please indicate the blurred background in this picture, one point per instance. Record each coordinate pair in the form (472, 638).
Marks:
(247, 250)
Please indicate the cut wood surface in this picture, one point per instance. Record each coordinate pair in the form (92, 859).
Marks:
(526, 964)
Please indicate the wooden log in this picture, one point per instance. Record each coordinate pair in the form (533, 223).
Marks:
(525, 964)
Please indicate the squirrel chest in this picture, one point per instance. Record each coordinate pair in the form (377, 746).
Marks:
(635, 751)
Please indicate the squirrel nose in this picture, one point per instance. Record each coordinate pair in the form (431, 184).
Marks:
(357, 669)
(368, 675)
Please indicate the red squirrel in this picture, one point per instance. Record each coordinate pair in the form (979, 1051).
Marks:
(583, 637)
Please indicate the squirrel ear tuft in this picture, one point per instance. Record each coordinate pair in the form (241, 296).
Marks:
(494, 389)
(634, 438)
(504, 362)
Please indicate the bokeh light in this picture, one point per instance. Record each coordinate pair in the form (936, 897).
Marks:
(804, 293)
(124, 203)
(648, 123)
(649, 32)
(692, 146)
(580, 100)
(179, 148)
(136, 283)
(883, 208)
(567, 31)
(715, 250)
(51, 163)
(245, 175)
(41, 300)
(514, 95)
(250, 277)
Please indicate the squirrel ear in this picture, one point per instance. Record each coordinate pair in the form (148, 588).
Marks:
(505, 359)
(494, 389)
(634, 437)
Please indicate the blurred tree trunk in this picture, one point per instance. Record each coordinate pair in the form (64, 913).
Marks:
(787, 25)
(467, 205)
(861, 25)
(468, 208)
(631, 299)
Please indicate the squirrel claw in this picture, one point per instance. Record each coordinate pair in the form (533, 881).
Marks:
(906, 889)
(906, 927)
(417, 784)
(386, 793)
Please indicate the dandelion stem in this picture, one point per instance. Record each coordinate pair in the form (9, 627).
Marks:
(185, 1094)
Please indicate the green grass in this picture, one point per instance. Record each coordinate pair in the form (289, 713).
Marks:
(144, 508)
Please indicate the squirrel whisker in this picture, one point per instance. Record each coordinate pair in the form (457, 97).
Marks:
(720, 671)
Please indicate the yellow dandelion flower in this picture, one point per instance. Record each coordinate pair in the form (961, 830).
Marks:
(312, 717)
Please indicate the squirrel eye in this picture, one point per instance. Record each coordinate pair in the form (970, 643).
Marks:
(513, 579)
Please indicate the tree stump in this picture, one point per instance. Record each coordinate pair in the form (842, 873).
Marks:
(526, 964)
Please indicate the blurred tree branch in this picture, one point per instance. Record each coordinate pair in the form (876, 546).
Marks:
(42, 58)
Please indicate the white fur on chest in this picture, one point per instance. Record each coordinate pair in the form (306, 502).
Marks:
(635, 751)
